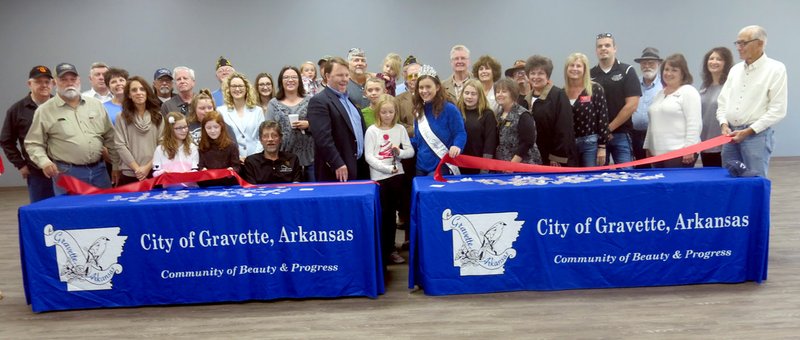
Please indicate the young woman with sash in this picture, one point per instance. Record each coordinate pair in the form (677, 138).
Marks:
(439, 126)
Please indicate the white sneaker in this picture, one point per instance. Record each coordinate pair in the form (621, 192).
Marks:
(396, 258)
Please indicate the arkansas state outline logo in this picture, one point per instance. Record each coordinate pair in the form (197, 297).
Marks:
(482, 243)
(87, 258)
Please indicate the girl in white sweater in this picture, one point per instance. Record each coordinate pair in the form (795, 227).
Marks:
(176, 152)
(385, 144)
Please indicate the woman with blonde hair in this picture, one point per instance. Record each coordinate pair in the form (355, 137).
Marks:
(479, 122)
(589, 111)
(242, 113)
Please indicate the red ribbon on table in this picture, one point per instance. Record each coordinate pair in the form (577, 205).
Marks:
(498, 165)
(75, 186)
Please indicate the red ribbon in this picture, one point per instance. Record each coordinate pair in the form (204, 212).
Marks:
(75, 186)
(498, 165)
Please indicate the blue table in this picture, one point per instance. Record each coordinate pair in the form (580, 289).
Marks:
(201, 245)
(496, 233)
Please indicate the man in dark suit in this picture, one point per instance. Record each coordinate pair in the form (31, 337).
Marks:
(338, 128)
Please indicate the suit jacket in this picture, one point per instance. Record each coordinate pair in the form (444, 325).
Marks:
(334, 139)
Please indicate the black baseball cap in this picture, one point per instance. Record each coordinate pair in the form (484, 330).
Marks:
(40, 71)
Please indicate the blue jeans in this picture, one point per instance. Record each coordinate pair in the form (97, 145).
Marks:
(619, 148)
(309, 172)
(95, 175)
(754, 151)
(587, 150)
(39, 186)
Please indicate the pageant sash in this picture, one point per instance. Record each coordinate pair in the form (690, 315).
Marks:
(435, 144)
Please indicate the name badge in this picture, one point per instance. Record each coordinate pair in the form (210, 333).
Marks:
(585, 99)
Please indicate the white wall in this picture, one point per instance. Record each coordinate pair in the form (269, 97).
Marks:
(264, 35)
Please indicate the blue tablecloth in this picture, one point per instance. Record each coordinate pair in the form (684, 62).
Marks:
(592, 230)
(193, 246)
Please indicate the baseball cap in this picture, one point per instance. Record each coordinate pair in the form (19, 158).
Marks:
(40, 71)
(162, 72)
(221, 61)
(64, 68)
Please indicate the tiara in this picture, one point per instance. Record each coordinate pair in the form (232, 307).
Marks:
(427, 70)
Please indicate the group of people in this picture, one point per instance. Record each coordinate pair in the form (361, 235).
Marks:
(395, 124)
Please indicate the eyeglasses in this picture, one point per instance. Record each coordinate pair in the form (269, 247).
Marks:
(519, 73)
(604, 35)
(236, 86)
(185, 127)
(291, 78)
(413, 76)
(184, 108)
(740, 43)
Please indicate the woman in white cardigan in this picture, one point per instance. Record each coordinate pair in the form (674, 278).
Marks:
(675, 115)
(242, 114)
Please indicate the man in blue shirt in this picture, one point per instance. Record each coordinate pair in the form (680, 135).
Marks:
(650, 82)
(338, 128)
(224, 70)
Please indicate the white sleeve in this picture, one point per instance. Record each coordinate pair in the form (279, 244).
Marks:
(407, 151)
(692, 113)
(158, 160)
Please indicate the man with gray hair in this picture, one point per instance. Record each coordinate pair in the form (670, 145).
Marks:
(358, 77)
(751, 101)
(162, 84)
(15, 128)
(650, 82)
(459, 61)
(98, 90)
(68, 133)
(184, 81)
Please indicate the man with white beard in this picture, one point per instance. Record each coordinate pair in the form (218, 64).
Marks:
(649, 64)
(162, 84)
(68, 133)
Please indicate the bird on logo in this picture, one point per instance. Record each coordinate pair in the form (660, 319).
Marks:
(490, 237)
(95, 251)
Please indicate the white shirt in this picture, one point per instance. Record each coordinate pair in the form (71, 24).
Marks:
(754, 95)
(491, 102)
(182, 162)
(675, 120)
(246, 128)
(93, 94)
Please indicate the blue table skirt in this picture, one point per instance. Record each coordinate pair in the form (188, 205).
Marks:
(491, 233)
(201, 245)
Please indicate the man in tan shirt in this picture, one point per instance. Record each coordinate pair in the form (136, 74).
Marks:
(459, 61)
(68, 133)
